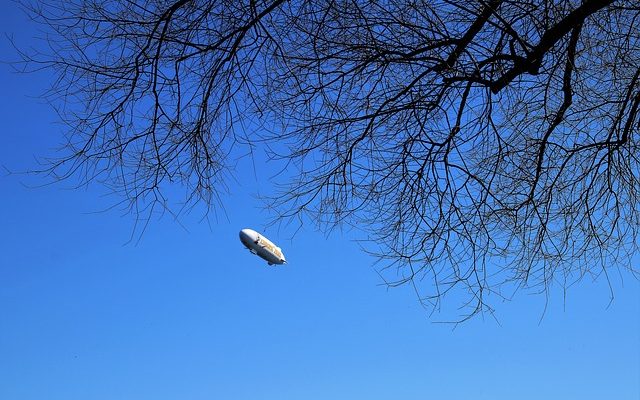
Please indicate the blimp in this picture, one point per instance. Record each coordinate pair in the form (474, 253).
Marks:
(262, 247)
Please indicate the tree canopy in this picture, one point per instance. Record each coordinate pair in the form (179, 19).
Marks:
(484, 146)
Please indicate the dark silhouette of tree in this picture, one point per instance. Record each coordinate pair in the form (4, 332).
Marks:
(485, 146)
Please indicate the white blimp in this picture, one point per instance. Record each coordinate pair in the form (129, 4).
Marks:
(262, 247)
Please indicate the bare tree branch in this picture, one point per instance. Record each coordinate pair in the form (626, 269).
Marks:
(483, 147)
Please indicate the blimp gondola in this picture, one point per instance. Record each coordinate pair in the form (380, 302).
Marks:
(262, 247)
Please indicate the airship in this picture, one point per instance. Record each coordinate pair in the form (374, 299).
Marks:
(262, 247)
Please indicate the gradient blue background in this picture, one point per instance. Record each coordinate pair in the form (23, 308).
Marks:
(186, 313)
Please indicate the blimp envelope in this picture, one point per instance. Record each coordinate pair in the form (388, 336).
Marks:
(262, 247)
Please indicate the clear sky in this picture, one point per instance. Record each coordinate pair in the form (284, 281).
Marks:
(186, 313)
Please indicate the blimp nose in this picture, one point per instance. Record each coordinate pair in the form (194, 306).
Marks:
(248, 236)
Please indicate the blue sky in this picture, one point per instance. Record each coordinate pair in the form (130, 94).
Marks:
(186, 313)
